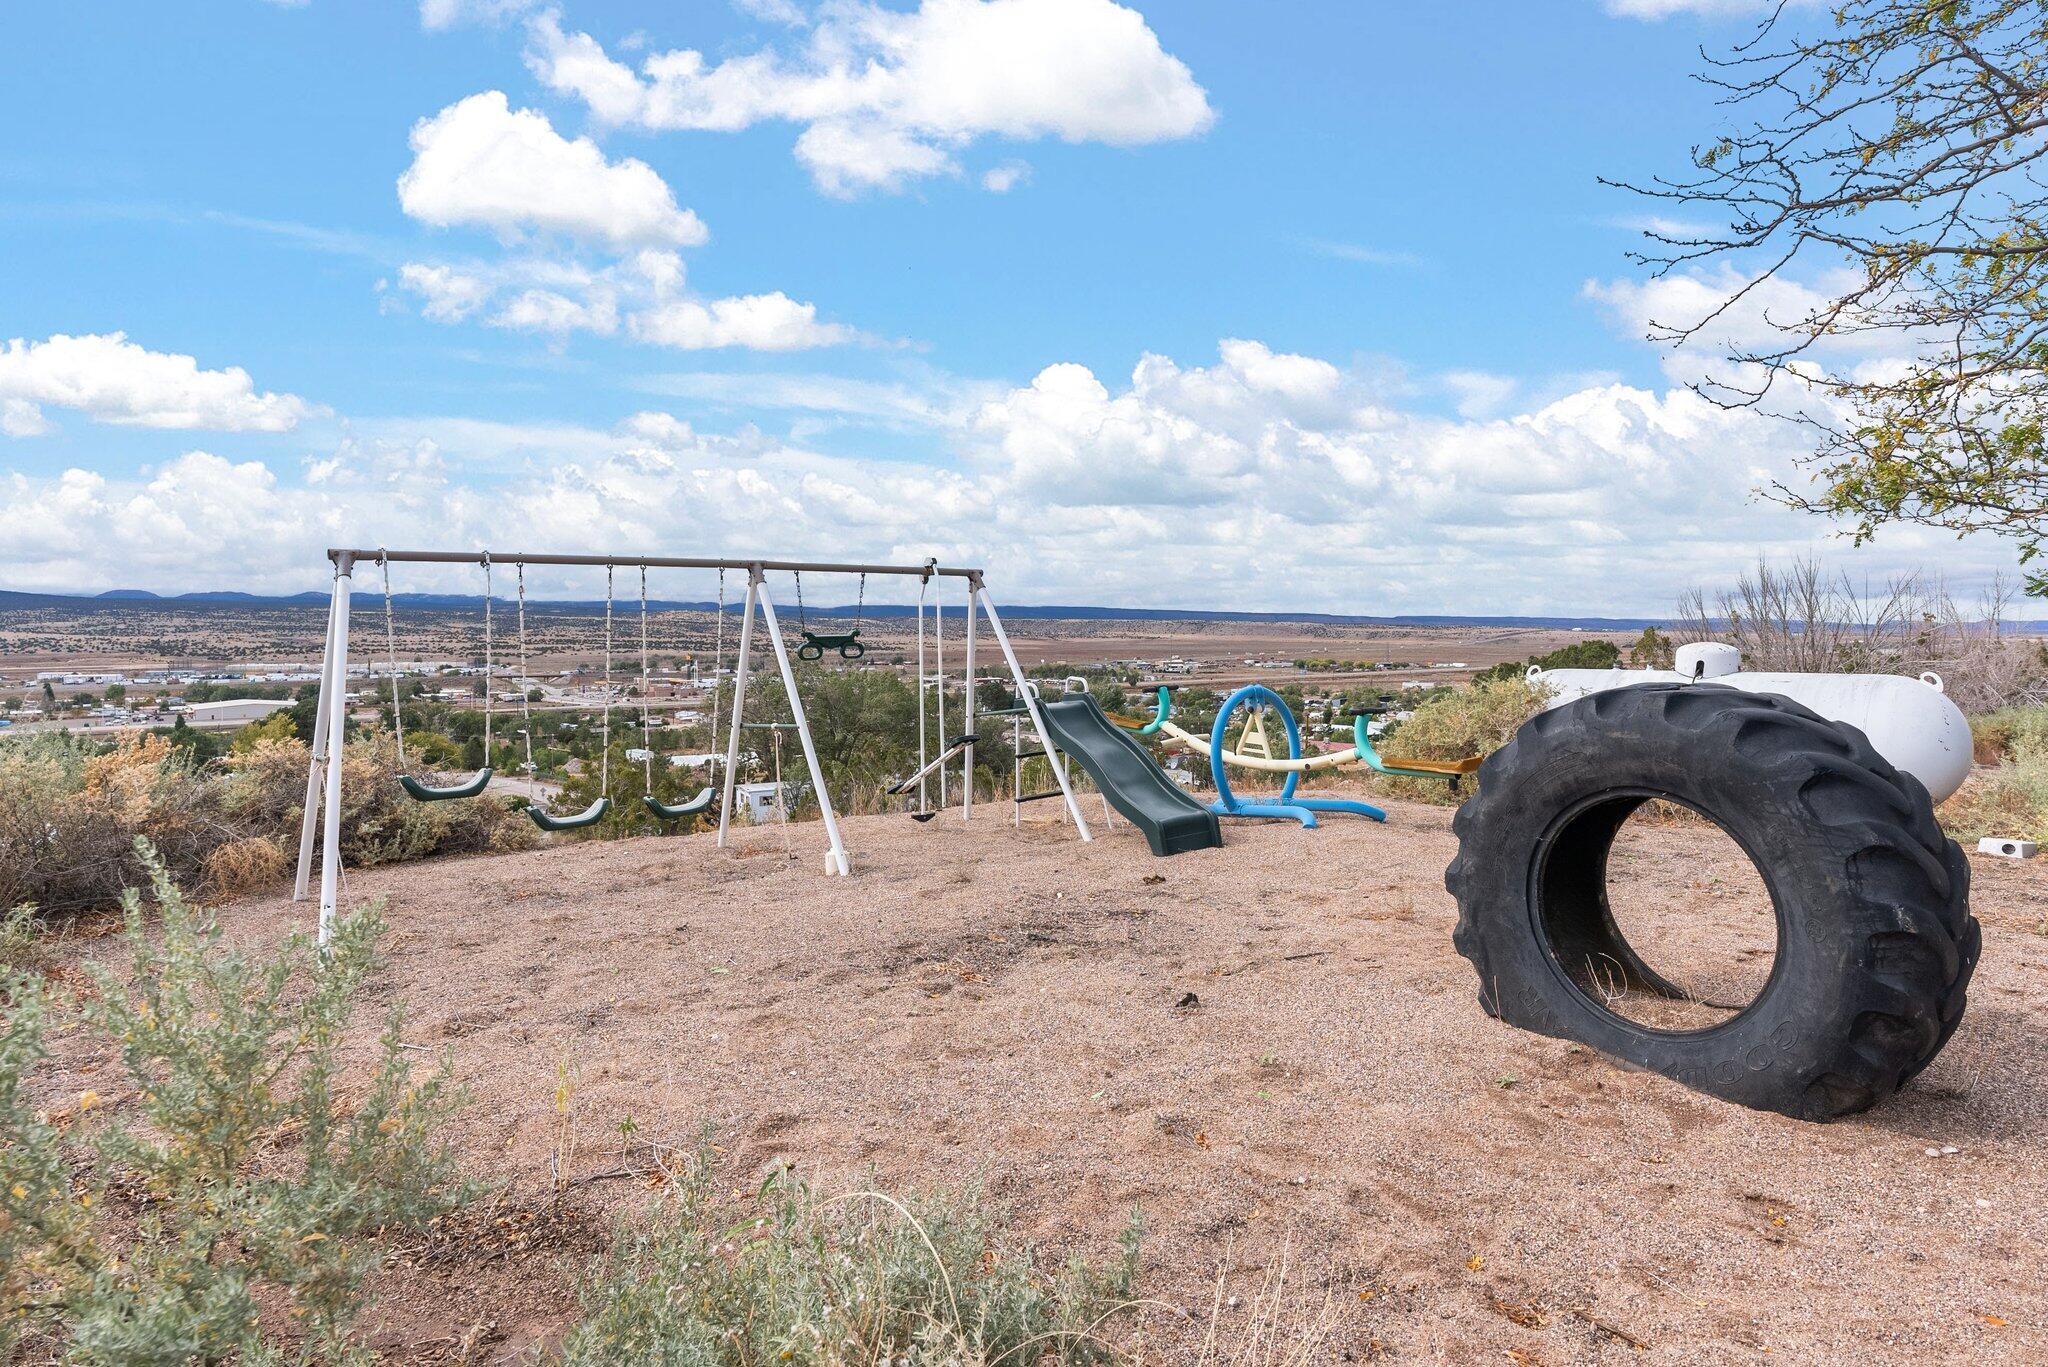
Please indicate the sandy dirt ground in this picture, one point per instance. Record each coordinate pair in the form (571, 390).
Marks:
(1270, 1048)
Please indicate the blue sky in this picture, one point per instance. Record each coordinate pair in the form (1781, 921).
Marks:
(874, 278)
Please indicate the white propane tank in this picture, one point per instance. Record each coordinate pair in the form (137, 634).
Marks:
(1908, 721)
(1707, 660)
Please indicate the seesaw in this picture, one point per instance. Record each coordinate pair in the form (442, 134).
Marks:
(1286, 804)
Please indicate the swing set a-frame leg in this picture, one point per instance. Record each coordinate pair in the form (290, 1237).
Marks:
(835, 857)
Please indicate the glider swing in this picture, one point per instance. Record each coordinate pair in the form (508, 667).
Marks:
(476, 783)
(1303, 809)
(676, 811)
(535, 809)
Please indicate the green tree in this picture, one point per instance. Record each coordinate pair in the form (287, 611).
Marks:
(1596, 653)
(1651, 650)
(1893, 146)
(116, 692)
(276, 726)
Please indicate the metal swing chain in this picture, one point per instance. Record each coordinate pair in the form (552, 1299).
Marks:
(604, 782)
(488, 660)
(391, 658)
(526, 694)
(646, 722)
(860, 603)
(923, 756)
(803, 621)
(717, 668)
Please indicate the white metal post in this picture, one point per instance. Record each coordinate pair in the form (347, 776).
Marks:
(1059, 764)
(835, 858)
(939, 685)
(924, 800)
(337, 727)
(739, 702)
(967, 756)
(309, 816)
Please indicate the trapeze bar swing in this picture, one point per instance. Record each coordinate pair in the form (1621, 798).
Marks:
(321, 822)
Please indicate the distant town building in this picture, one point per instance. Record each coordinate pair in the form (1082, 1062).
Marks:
(232, 710)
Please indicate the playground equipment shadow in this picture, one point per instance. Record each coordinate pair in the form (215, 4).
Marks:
(1267, 1047)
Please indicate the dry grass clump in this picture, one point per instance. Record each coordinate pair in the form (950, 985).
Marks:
(245, 865)
(2009, 800)
(1996, 735)
(790, 1275)
(70, 813)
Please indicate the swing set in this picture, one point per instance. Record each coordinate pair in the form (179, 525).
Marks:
(321, 824)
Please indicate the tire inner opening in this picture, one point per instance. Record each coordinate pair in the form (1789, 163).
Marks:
(1656, 915)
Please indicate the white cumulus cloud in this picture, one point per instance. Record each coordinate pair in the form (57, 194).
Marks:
(446, 14)
(1256, 479)
(481, 163)
(446, 295)
(643, 294)
(112, 380)
(887, 96)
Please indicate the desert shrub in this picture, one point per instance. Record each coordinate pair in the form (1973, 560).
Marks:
(70, 813)
(2008, 800)
(1995, 735)
(242, 1183)
(1469, 721)
(861, 1278)
(245, 865)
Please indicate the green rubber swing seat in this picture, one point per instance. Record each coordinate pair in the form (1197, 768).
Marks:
(680, 809)
(422, 792)
(589, 816)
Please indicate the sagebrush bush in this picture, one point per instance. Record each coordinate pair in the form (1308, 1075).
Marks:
(70, 813)
(794, 1276)
(248, 1191)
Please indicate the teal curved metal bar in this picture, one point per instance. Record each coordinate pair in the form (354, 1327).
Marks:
(1151, 728)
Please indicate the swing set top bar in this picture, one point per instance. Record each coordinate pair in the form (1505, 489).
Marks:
(340, 555)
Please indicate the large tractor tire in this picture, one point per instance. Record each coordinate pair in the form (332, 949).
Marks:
(1876, 943)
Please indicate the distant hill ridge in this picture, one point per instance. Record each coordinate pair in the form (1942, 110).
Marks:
(117, 600)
